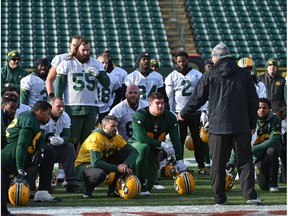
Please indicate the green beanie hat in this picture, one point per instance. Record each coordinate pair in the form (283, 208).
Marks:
(154, 63)
(272, 61)
(12, 54)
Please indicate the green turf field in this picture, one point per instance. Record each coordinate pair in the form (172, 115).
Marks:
(168, 196)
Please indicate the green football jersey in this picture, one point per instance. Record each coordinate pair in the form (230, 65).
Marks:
(153, 130)
(24, 137)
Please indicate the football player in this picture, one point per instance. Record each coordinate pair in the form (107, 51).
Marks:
(56, 61)
(25, 148)
(33, 86)
(147, 80)
(124, 110)
(77, 79)
(179, 85)
(150, 126)
(107, 95)
(103, 152)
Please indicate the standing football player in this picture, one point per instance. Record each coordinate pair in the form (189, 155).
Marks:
(33, 86)
(147, 80)
(179, 85)
(55, 62)
(77, 79)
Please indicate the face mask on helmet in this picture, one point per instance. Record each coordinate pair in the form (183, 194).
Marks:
(19, 192)
(128, 187)
(189, 142)
(184, 183)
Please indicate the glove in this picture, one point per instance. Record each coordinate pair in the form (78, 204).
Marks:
(181, 166)
(38, 157)
(21, 172)
(203, 118)
(93, 72)
(168, 148)
(56, 140)
(206, 126)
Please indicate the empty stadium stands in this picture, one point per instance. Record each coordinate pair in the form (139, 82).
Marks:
(42, 28)
(249, 28)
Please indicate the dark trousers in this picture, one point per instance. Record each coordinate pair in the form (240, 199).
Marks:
(193, 123)
(219, 145)
(45, 176)
(267, 169)
(65, 154)
(94, 176)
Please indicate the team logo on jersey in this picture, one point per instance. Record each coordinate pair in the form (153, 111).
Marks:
(278, 83)
(155, 128)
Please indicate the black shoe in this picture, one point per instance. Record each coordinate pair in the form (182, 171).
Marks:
(87, 193)
(74, 189)
(144, 190)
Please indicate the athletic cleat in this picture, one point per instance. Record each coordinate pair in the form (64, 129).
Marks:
(203, 171)
(257, 201)
(44, 196)
(274, 189)
(144, 191)
(87, 193)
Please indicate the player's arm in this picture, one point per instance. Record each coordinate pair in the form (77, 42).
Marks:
(60, 83)
(24, 96)
(104, 79)
(175, 139)
(65, 135)
(169, 89)
(97, 162)
(132, 155)
(274, 139)
(50, 80)
(24, 139)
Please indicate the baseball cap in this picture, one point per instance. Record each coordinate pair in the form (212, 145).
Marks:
(13, 54)
(154, 63)
(272, 61)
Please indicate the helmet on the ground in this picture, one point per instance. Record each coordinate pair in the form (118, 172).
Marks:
(229, 182)
(203, 135)
(189, 142)
(19, 191)
(109, 178)
(184, 183)
(245, 62)
(128, 187)
(170, 170)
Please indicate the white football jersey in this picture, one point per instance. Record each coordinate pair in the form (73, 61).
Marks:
(58, 59)
(36, 86)
(124, 113)
(261, 90)
(120, 73)
(106, 96)
(179, 88)
(63, 122)
(81, 87)
(146, 85)
(22, 108)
